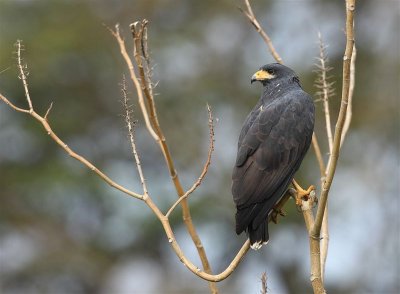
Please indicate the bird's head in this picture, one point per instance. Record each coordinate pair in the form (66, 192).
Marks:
(273, 72)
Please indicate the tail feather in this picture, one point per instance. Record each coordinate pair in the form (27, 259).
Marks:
(258, 236)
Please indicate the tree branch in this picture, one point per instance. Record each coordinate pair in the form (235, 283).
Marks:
(248, 12)
(206, 165)
(23, 73)
(84, 161)
(134, 79)
(142, 86)
(349, 112)
(350, 7)
(318, 155)
(130, 125)
(325, 88)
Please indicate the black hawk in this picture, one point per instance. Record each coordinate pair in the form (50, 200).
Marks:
(274, 140)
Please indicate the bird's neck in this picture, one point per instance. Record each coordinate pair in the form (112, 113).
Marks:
(272, 91)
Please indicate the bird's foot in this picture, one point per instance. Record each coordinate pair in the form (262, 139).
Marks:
(302, 194)
(275, 213)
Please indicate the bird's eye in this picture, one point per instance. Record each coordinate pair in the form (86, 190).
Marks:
(270, 71)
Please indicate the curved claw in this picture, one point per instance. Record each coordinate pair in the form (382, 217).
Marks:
(301, 193)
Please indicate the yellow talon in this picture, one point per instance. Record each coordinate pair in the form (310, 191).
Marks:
(301, 193)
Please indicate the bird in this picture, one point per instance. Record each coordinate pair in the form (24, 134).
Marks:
(273, 141)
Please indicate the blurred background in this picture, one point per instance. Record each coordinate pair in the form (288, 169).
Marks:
(63, 230)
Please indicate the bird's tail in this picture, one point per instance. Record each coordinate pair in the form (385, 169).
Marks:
(258, 236)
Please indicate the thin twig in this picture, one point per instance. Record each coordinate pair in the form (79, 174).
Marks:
(206, 165)
(140, 47)
(326, 88)
(48, 111)
(70, 152)
(318, 155)
(23, 73)
(134, 79)
(13, 106)
(253, 20)
(130, 125)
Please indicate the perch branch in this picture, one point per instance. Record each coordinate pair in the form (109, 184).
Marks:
(325, 92)
(314, 243)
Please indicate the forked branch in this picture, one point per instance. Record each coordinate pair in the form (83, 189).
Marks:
(143, 89)
(44, 121)
(333, 159)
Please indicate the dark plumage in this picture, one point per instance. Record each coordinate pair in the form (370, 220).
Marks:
(274, 140)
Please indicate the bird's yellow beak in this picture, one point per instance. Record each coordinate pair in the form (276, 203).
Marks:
(261, 75)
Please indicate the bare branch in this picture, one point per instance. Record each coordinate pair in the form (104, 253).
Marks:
(318, 155)
(206, 165)
(48, 111)
(325, 92)
(134, 79)
(324, 241)
(9, 103)
(143, 86)
(326, 87)
(23, 73)
(324, 228)
(130, 125)
(253, 20)
(139, 33)
(350, 7)
(349, 112)
(70, 152)
(264, 288)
